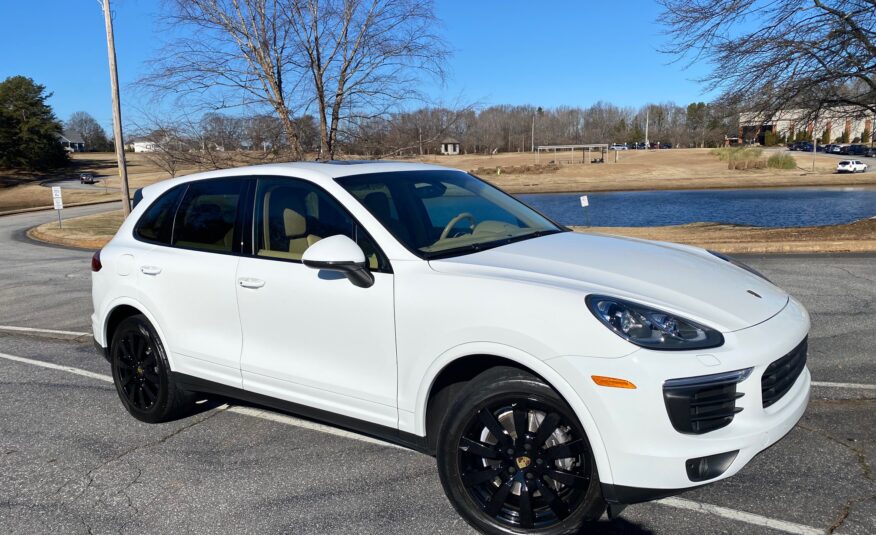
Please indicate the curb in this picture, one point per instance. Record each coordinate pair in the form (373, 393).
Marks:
(47, 208)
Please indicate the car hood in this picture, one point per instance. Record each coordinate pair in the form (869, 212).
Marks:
(675, 278)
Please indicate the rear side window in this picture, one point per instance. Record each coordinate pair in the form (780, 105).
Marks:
(156, 223)
(207, 216)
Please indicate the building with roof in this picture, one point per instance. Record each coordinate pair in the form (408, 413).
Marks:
(836, 124)
(71, 141)
(449, 146)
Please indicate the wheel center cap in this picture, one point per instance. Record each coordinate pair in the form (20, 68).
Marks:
(523, 462)
(140, 370)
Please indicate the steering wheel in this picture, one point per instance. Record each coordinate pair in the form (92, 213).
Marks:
(452, 223)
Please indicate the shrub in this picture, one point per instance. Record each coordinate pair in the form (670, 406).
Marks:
(781, 161)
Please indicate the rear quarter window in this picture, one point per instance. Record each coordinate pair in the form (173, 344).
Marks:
(156, 223)
(207, 216)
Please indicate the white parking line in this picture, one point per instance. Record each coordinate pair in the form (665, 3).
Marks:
(853, 386)
(679, 503)
(49, 333)
(741, 516)
(53, 366)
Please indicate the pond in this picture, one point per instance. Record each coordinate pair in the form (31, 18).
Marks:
(793, 207)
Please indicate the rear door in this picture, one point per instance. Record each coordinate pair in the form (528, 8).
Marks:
(187, 279)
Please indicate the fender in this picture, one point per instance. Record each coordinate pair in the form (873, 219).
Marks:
(539, 367)
(131, 302)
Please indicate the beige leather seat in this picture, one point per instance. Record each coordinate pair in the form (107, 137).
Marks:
(295, 231)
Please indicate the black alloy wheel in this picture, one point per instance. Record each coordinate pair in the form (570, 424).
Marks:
(520, 461)
(141, 373)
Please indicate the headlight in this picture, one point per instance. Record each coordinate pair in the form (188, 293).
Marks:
(740, 265)
(651, 328)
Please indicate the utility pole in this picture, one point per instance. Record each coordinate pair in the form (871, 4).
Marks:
(117, 109)
(532, 139)
(647, 120)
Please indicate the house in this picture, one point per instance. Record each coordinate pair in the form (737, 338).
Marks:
(72, 141)
(449, 146)
(141, 144)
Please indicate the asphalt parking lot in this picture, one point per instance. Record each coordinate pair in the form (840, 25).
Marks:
(73, 461)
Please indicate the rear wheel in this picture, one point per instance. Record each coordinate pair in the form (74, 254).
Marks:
(142, 375)
(513, 458)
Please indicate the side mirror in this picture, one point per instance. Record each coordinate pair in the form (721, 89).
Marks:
(339, 253)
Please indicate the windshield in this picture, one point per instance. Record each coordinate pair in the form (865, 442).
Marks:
(445, 213)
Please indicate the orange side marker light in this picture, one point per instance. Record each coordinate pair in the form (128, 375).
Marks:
(612, 382)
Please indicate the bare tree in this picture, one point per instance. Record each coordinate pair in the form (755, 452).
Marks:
(231, 53)
(347, 59)
(92, 133)
(769, 55)
(363, 57)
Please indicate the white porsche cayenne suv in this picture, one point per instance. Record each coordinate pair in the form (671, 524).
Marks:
(552, 373)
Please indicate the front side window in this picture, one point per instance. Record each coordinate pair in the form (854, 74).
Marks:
(207, 216)
(445, 213)
(291, 215)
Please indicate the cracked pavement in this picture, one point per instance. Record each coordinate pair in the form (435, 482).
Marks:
(73, 461)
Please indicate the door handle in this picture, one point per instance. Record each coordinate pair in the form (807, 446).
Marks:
(150, 270)
(251, 283)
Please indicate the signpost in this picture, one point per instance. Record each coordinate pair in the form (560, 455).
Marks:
(58, 202)
(585, 202)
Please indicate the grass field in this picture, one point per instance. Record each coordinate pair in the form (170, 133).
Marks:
(634, 170)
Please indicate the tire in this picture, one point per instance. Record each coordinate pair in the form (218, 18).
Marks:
(544, 482)
(142, 375)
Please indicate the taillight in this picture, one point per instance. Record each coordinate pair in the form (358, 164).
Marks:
(95, 262)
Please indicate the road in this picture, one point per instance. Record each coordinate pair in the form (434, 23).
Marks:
(72, 461)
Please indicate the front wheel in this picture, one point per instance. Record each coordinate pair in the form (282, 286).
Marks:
(142, 375)
(513, 458)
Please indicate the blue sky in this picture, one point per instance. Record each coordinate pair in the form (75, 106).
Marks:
(505, 52)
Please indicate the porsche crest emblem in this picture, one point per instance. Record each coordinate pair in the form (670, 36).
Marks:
(523, 462)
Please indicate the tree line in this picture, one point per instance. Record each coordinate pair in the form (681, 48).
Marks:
(500, 128)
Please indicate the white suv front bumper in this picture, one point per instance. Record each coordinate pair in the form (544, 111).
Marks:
(644, 450)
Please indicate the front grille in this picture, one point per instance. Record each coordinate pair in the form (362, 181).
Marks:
(781, 375)
(697, 405)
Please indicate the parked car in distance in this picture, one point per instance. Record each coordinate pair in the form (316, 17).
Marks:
(618, 146)
(857, 150)
(851, 166)
(552, 373)
(871, 152)
(86, 178)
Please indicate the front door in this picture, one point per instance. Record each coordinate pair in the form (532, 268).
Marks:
(311, 336)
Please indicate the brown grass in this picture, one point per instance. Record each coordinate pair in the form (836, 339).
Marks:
(94, 231)
(514, 172)
(855, 237)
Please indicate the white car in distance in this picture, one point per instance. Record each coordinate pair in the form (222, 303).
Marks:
(851, 166)
(551, 373)
(618, 146)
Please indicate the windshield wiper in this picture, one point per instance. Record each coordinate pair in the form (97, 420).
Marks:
(476, 247)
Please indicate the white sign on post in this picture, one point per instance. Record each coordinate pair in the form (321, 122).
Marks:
(584, 201)
(56, 198)
(57, 202)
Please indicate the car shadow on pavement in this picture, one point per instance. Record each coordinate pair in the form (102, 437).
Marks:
(618, 526)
